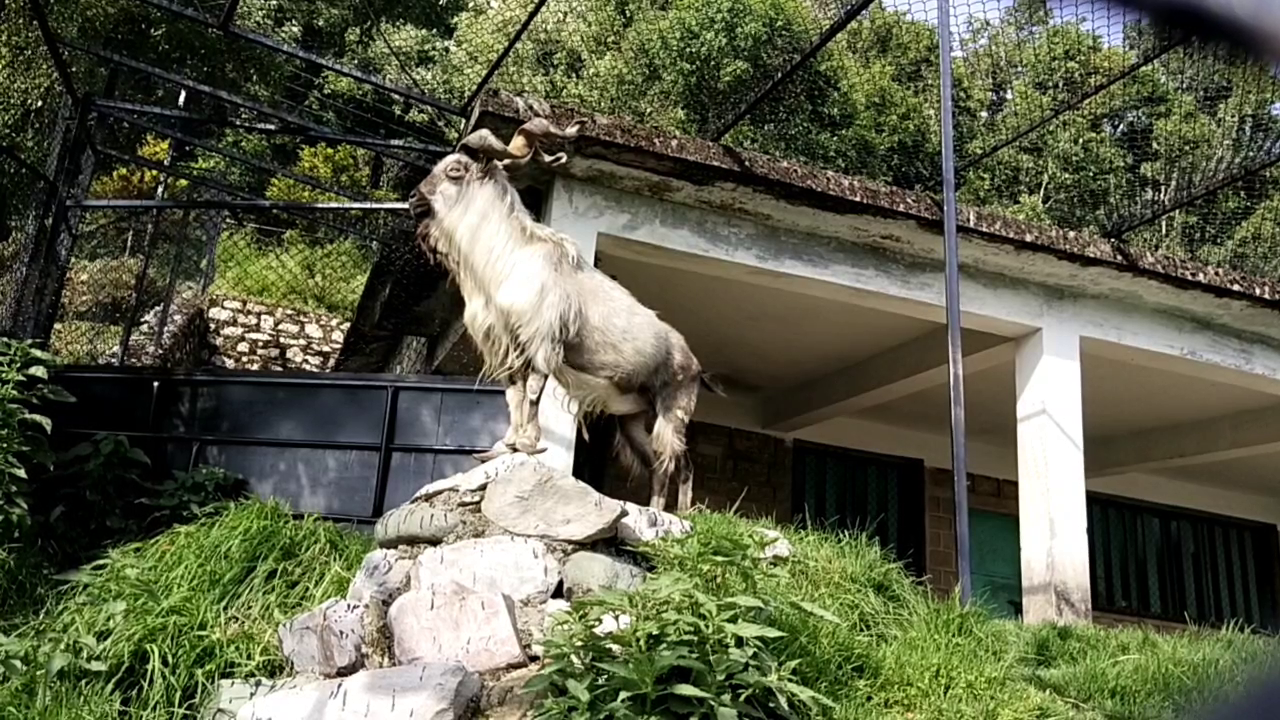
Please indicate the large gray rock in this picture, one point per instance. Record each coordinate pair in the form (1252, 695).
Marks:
(644, 524)
(532, 499)
(327, 641)
(383, 576)
(589, 572)
(778, 548)
(431, 691)
(521, 568)
(453, 624)
(414, 525)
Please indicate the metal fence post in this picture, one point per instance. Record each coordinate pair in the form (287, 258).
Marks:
(74, 178)
(955, 357)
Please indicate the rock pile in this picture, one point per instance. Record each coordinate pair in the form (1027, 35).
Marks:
(444, 620)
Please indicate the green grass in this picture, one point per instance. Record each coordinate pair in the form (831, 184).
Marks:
(898, 653)
(81, 341)
(174, 614)
(324, 278)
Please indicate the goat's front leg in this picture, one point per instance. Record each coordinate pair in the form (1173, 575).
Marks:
(530, 434)
(514, 393)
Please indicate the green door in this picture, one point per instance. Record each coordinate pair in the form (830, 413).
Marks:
(997, 564)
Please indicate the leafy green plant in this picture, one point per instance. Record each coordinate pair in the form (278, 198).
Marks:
(189, 495)
(92, 495)
(686, 653)
(48, 654)
(24, 432)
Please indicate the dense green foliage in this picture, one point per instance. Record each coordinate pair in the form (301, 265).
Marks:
(145, 632)
(867, 105)
(62, 505)
(24, 432)
(839, 620)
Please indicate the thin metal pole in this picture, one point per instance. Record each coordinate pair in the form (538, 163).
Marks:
(955, 358)
(384, 451)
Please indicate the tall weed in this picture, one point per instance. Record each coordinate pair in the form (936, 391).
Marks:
(24, 431)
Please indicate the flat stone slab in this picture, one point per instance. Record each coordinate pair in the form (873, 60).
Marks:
(383, 576)
(521, 568)
(327, 641)
(414, 524)
(474, 480)
(588, 572)
(428, 691)
(232, 695)
(532, 499)
(644, 524)
(453, 624)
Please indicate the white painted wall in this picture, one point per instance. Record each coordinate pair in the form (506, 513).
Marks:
(648, 229)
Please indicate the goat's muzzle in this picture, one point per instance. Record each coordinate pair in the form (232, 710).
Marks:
(419, 206)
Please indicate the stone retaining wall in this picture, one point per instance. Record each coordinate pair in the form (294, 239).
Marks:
(255, 336)
(237, 334)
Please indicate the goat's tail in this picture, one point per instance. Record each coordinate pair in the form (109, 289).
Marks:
(709, 381)
(632, 462)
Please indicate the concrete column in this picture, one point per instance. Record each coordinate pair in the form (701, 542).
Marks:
(1052, 518)
(556, 413)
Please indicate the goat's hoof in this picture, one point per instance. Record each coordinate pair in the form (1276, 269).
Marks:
(529, 448)
(488, 455)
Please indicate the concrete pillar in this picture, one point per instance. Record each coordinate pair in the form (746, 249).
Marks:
(1052, 518)
(556, 413)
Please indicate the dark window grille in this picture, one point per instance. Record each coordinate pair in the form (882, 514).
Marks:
(1163, 563)
(878, 494)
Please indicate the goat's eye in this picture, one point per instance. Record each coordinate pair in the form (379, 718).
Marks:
(455, 171)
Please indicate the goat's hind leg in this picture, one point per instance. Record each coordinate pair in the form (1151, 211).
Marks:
(674, 414)
(530, 432)
(514, 393)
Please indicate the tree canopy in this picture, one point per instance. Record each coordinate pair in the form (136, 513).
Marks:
(1175, 156)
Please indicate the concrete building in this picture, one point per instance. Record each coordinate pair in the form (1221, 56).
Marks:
(1123, 412)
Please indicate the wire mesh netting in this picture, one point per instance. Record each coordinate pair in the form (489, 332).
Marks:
(1072, 113)
(1078, 114)
(193, 287)
(31, 108)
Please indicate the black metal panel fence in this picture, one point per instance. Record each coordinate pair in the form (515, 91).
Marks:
(340, 445)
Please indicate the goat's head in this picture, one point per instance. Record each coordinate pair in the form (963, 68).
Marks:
(482, 157)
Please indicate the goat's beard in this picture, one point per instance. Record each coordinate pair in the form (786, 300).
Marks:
(519, 310)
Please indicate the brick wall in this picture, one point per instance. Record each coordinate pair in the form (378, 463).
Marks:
(985, 493)
(992, 495)
(731, 466)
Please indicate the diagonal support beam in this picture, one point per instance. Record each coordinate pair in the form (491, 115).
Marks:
(1229, 437)
(895, 373)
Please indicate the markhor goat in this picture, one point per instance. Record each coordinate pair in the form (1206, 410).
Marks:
(536, 308)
